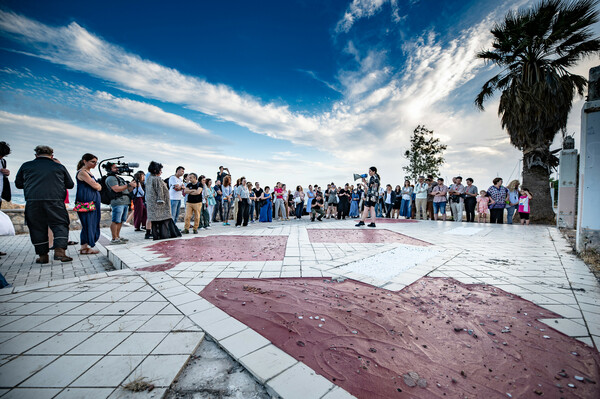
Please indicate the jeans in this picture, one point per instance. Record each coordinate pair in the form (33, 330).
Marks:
(299, 209)
(510, 213)
(251, 210)
(175, 206)
(279, 206)
(226, 210)
(388, 210)
(378, 209)
(439, 207)
(218, 209)
(119, 213)
(457, 211)
(405, 208)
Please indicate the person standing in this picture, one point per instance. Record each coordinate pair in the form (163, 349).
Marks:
(286, 199)
(266, 213)
(243, 197)
(421, 198)
(210, 197)
(218, 209)
(4, 173)
(119, 203)
(439, 199)
(88, 203)
(258, 194)
(158, 205)
(227, 194)
(457, 200)
(354, 207)
(251, 202)
(205, 215)
(299, 201)
(389, 197)
(470, 200)
(221, 174)
(139, 204)
(524, 209)
(45, 184)
(405, 205)
(512, 201)
(310, 195)
(176, 192)
(372, 196)
(279, 205)
(193, 192)
(343, 203)
(498, 195)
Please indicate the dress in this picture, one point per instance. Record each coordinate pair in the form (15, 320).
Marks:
(483, 204)
(266, 213)
(354, 213)
(90, 221)
(158, 207)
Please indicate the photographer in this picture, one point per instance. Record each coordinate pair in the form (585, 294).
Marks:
(120, 202)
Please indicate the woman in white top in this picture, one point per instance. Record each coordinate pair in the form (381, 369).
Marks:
(299, 202)
(227, 191)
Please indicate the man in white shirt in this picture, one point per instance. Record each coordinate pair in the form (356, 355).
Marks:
(176, 188)
(421, 198)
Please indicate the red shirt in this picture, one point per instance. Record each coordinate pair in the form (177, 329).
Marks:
(278, 193)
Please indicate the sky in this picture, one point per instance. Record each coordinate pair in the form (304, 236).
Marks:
(298, 91)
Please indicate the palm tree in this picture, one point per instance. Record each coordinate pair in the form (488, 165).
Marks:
(535, 47)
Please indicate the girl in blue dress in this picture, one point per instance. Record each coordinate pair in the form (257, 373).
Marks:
(266, 212)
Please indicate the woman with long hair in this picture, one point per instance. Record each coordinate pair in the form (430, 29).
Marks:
(406, 200)
(139, 205)
(512, 201)
(87, 204)
(299, 202)
(227, 191)
(372, 196)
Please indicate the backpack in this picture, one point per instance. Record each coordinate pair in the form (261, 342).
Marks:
(107, 194)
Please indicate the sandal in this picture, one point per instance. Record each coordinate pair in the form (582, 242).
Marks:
(88, 251)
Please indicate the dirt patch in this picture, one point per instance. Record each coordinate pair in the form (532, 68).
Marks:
(591, 257)
(436, 338)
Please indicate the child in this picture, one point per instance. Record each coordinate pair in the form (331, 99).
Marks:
(483, 203)
(524, 209)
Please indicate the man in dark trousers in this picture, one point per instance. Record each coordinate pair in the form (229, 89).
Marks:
(45, 185)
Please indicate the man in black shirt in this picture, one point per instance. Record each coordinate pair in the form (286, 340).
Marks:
(45, 185)
(193, 190)
(317, 207)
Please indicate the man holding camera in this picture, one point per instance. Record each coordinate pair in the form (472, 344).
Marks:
(120, 201)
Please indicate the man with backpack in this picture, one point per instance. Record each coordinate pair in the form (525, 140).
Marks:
(119, 191)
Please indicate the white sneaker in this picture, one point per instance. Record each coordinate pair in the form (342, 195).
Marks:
(126, 224)
(116, 242)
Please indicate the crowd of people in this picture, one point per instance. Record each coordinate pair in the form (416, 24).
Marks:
(154, 202)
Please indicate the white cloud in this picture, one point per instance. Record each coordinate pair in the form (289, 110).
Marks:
(359, 9)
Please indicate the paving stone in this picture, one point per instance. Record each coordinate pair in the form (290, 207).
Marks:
(179, 343)
(244, 342)
(80, 393)
(139, 344)
(62, 372)
(110, 371)
(299, 382)
(267, 362)
(160, 369)
(100, 343)
(31, 393)
(20, 368)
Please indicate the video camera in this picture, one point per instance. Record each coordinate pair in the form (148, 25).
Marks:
(123, 168)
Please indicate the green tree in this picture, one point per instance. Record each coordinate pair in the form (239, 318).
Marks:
(534, 47)
(425, 156)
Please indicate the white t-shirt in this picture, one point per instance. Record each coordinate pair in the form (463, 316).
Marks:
(421, 190)
(174, 194)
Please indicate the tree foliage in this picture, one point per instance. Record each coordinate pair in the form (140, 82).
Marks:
(425, 156)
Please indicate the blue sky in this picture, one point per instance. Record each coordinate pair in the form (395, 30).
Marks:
(298, 91)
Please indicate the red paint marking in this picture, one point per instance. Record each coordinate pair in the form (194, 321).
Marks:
(371, 337)
(362, 235)
(218, 248)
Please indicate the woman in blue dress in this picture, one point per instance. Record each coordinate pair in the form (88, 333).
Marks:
(354, 212)
(266, 212)
(88, 191)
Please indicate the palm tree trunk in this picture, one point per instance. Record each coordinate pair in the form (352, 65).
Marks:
(536, 178)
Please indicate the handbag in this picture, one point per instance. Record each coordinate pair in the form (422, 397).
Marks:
(297, 200)
(84, 206)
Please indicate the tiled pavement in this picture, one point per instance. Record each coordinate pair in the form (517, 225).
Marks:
(85, 335)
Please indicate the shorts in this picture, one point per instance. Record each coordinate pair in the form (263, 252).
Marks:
(119, 213)
(439, 206)
(369, 204)
(524, 216)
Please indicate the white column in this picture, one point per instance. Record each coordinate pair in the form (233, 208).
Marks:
(567, 186)
(588, 216)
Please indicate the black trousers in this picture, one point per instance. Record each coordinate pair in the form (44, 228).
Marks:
(218, 210)
(470, 204)
(243, 212)
(41, 215)
(343, 209)
(497, 215)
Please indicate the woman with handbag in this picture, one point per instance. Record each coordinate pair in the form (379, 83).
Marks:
(87, 204)
(299, 202)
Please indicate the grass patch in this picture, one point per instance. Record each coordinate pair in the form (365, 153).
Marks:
(138, 385)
